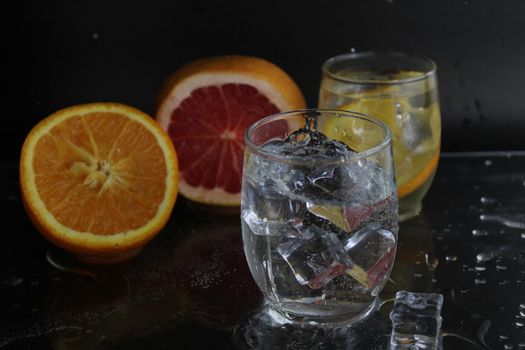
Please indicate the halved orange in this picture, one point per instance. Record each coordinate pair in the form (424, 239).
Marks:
(206, 107)
(99, 180)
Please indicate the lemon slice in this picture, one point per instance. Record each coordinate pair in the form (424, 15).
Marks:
(412, 169)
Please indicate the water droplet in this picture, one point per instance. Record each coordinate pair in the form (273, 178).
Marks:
(508, 347)
(95, 36)
(451, 258)
(521, 345)
(501, 267)
(513, 221)
(464, 291)
(485, 256)
(12, 281)
(479, 281)
(434, 280)
(520, 323)
(522, 313)
(503, 337)
(480, 268)
(418, 275)
(488, 162)
(522, 306)
(352, 50)
(488, 200)
(503, 283)
(479, 233)
(431, 261)
(523, 235)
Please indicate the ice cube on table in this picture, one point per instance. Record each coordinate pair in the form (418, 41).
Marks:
(316, 257)
(416, 320)
(372, 251)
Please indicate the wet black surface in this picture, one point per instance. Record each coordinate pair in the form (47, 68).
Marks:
(191, 287)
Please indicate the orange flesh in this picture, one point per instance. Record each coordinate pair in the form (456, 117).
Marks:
(101, 173)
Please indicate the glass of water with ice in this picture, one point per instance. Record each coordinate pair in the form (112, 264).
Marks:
(319, 213)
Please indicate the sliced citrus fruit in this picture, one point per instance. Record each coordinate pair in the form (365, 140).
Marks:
(206, 107)
(99, 179)
(413, 167)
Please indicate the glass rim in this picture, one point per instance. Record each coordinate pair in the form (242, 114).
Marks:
(385, 142)
(325, 67)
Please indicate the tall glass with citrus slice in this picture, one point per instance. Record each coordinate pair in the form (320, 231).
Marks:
(401, 90)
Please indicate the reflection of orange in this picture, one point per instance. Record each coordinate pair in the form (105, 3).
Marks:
(418, 180)
(99, 179)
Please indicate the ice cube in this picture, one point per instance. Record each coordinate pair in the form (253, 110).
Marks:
(362, 183)
(316, 257)
(416, 129)
(267, 212)
(416, 320)
(372, 250)
(265, 227)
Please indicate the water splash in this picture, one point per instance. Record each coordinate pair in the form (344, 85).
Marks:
(479, 233)
(479, 281)
(482, 332)
(431, 261)
(53, 261)
(488, 200)
(12, 281)
(513, 221)
(485, 256)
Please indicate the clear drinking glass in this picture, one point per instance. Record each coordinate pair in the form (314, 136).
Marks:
(402, 91)
(319, 213)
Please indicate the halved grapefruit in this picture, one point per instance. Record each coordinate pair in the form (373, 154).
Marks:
(206, 107)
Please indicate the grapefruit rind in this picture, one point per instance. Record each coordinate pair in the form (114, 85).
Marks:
(86, 242)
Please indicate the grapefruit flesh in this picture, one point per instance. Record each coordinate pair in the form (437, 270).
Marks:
(206, 107)
(224, 112)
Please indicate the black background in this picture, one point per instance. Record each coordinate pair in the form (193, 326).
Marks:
(59, 53)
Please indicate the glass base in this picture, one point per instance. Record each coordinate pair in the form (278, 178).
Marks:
(268, 328)
(281, 314)
(409, 213)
